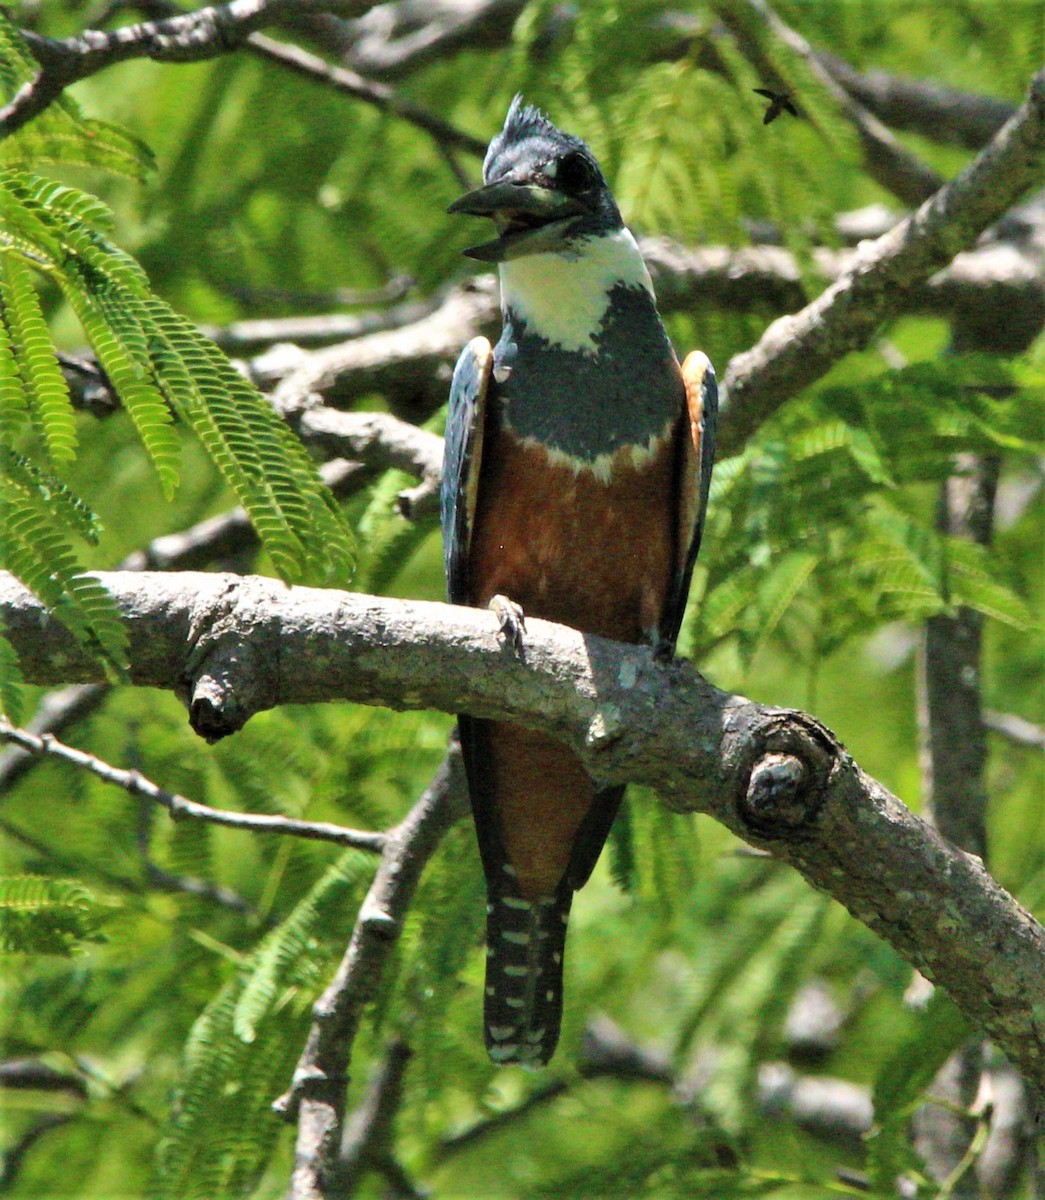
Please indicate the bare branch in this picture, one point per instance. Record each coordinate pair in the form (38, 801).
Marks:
(776, 777)
(55, 712)
(15, 1156)
(316, 1097)
(229, 536)
(340, 79)
(941, 113)
(241, 337)
(797, 350)
(410, 356)
(954, 739)
(29, 1073)
(414, 361)
(190, 37)
(194, 37)
(887, 162)
(1016, 729)
(178, 806)
(366, 1144)
(400, 37)
(823, 1106)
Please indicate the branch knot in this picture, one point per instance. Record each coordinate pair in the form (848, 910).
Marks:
(781, 794)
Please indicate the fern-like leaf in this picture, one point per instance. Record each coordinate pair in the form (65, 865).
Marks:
(38, 368)
(10, 681)
(938, 1031)
(39, 915)
(38, 554)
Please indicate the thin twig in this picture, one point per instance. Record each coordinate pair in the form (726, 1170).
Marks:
(179, 807)
(380, 95)
(367, 1141)
(1016, 729)
(15, 1156)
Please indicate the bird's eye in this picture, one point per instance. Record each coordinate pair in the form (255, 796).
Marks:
(575, 173)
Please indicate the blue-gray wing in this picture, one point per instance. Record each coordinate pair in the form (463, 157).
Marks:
(698, 454)
(462, 461)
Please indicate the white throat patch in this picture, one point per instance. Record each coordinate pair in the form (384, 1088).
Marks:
(562, 297)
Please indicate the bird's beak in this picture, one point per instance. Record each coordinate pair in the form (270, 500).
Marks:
(531, 219)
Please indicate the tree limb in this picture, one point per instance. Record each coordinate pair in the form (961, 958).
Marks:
(942, 113)
(887, 161)
(316, 1098)
(797, 350)
(234, 646)
(197, 36)
(1016, 729)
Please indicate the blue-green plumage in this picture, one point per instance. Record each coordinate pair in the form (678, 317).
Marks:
(578, 457)
(541, 396)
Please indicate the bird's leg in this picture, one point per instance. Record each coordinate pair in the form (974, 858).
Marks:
(663, 648)
(511, 620)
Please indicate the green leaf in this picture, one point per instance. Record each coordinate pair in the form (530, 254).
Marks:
(10, 680)
(38, 554)
(39, 915)
(30, 341)
(241, 1050)
(938, 1030)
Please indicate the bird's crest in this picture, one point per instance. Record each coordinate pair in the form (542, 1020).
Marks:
(525, 123)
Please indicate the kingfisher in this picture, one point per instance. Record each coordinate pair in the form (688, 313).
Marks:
(575, 480)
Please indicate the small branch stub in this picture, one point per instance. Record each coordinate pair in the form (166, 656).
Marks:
(777, 798)
(785, 786)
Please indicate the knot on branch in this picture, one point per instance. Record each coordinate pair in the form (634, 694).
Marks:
(790, 759)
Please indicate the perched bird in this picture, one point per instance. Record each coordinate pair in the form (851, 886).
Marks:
(576, 472)
(778, 102)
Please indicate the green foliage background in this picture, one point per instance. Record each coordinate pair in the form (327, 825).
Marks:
(186, 1014)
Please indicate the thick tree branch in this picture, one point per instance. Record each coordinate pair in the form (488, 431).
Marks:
(233, 646)
(944, 114)
(797, 350)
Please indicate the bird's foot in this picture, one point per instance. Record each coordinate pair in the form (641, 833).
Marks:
(663, 651)
(511, 620)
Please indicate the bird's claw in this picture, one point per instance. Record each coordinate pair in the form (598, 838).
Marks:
(663, 652)
(510, 619)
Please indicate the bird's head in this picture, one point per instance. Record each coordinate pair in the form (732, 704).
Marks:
(542, 188)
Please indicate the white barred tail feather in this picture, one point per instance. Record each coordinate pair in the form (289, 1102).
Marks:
(525, 945)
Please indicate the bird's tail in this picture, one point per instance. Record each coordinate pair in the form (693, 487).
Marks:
(525, 942)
